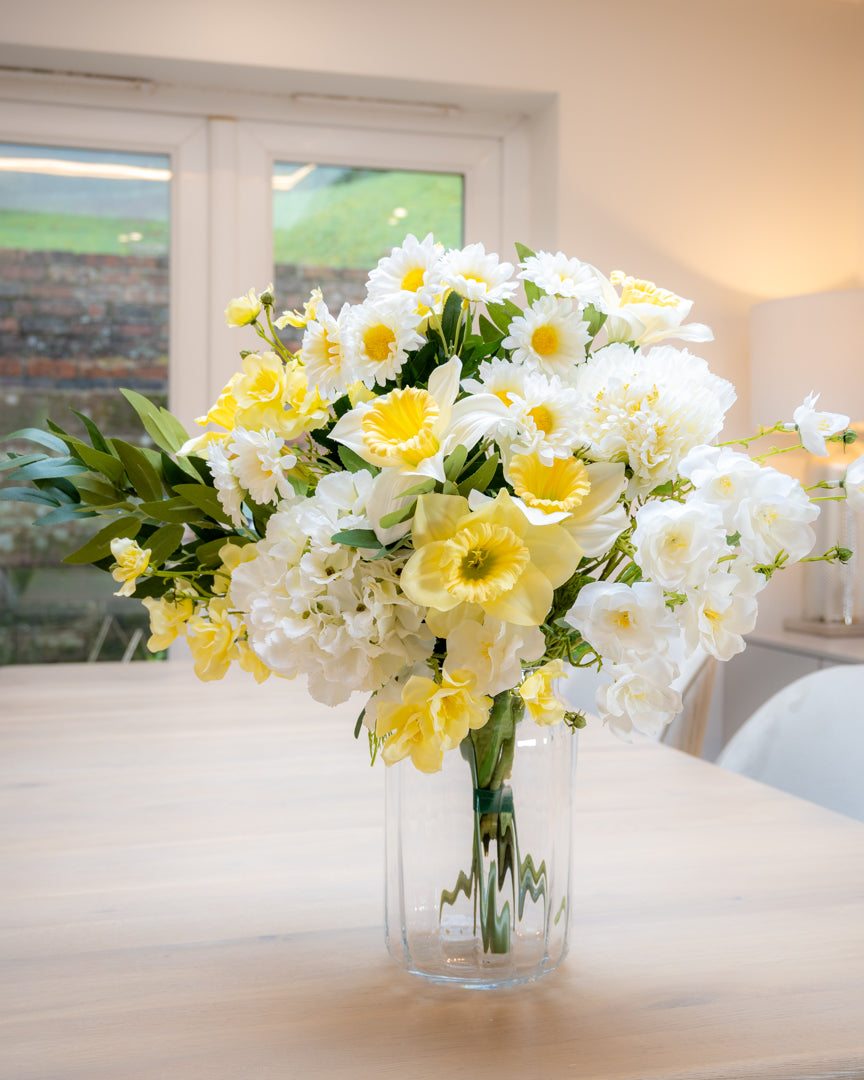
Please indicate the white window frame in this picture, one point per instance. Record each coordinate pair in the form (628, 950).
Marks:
(184, 140)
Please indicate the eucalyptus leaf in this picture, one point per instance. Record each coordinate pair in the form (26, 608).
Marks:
(177, 510)
(99, 546)
(481, 478)
(41, 438)
(164, 542)
(15, 461)
(450, 317)
(143, 477)
(455, 462)
(396, 517)
(69, 512)
(48, 468)
(96, 437)
(353, 462)
(359, 538)
(164, 429)
(206, 499)
(34, 495)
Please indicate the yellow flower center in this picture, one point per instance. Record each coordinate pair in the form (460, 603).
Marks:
(482, 561)
(401, 426)
(544, 340)
(413, 280)
(622, 620)
(639, 291)
(378, 341)
(543, 419)
(561, 486)
(712, 616)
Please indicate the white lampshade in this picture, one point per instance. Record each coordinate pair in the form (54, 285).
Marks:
(804, 343)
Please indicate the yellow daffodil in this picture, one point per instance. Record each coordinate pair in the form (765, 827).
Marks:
(432, 717)
(131, 562)
(167, 620)
(491, 560)
(543, 704)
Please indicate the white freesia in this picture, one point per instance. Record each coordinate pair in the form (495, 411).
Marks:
(775, 517)
(815, 427)
(550, 336)
(644, 313)
(377, 335)
(853, 484)
(494, 651)
(718, 612)
(621, 622)
(648, 410)
(558, 275)
(477, 275)
(318, 608)
(677, 544)
(639, 699)
(260, 464)
(413, 268)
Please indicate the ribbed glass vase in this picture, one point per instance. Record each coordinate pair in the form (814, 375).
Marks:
(478, 855)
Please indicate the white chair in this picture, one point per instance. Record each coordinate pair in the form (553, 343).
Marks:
(808, 739)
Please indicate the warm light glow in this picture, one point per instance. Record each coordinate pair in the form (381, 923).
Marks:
(90, 170)
(286, 183)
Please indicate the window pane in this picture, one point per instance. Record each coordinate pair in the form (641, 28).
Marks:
(332, 224)
(83, 311)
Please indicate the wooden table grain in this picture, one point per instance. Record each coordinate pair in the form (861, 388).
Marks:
(191, 889)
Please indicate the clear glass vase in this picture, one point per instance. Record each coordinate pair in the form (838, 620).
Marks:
(478, 855)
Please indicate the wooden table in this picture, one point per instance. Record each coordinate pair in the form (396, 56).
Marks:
(191, 884)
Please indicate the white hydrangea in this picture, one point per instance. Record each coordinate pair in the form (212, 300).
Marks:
(677, 544)
(317, 608)
(639, 699)
(649, 410)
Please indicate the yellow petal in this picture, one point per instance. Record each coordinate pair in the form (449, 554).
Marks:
(527, 603)
(421, 579)
(607, 482)
(554, 552)
(437, 517)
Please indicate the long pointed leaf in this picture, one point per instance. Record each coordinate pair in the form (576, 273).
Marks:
(42, 438)
(99, 546)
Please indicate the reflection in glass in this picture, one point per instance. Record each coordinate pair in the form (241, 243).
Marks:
(83, 310)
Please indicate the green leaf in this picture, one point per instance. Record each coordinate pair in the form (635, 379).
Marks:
(42, 438)
(206, 499)
(455, 461)
(481, 478)
(359, 538)
(143, 477)
(34, 495)
(65, 513)
(99, 546)
(15, 461)
(96, 436)
(451, 316)
(396, 517)
(179, 471)
(48, 468)
(106, 464)
(524, 252)
(208, 552)
(501, 316)
(594, 318)
(419, 489)
(176, 511)
(163, 543)
(164, 429)
(353, 462)
(96, 491)
(489, 331)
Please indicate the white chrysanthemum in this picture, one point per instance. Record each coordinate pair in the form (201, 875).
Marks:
(648, 410)
(718, 612)
(550, 336)
(322, 354)
(377, 336)
(414, 268)
(260, 464)
(646, 314)
(494, 651)
(476, 275)
(639, 699)
(623, 623)
(775, 517)
(815, 427)
(318, 608)
(227, 485)
(678, 544)
(559, 276)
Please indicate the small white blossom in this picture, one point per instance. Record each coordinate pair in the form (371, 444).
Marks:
(476, 275)
(718, 612)
(559, 276)
(639, 699)
(621, 622)
(775, 517)
(494, 651)
(227, 485)
(550, 336)
(260, 463)
(722, 478)
(815, 427)
(853, 483)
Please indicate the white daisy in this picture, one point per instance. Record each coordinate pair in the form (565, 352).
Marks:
(545, 416)
(322, 354)
(559, 276)
(550, 336)
(412, 268)
(477, 276)
(377, 336)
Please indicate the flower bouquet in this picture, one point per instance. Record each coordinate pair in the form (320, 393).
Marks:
(445, 501)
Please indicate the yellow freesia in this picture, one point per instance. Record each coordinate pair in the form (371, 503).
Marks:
(212, 641)
(543, 704)
(243, 310)
(431, 718)
(167, 620)
(490, 560)
(232, 555)
(131, 562)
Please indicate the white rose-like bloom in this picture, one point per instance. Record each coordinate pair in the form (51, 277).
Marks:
(646, 314)
(559, 276)
(639, 699)
(413, 268)
(677, 544)
(550, 336)
(648, 410)
(259, 464)
(476, 275)
(377, 336)
(853, 484)
(623, 623)
(815, 427)
(717, 615)
(318, 608)
(494, 651)
(721, 477)
(775, 516)
(227, 485)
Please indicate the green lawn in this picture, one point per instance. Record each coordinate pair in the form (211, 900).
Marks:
(82, 234)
